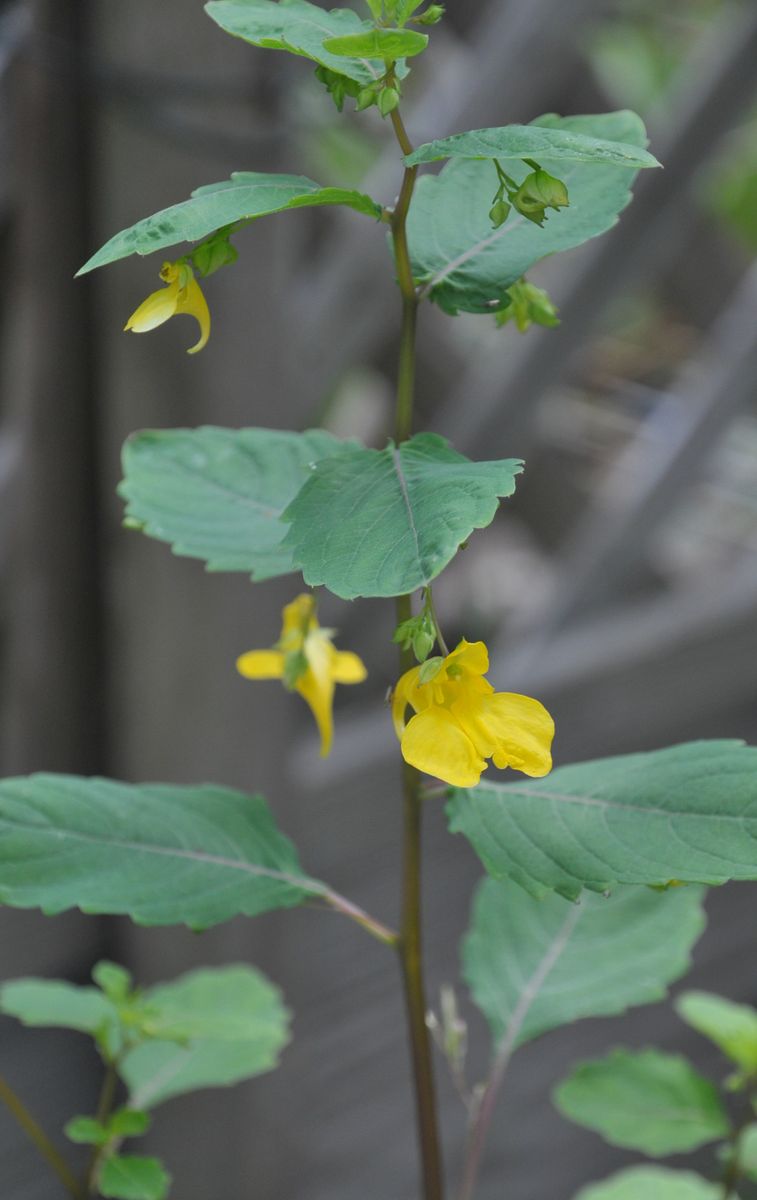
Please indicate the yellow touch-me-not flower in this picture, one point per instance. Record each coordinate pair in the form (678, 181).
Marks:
(460, 721)
(307, 661)
(182, 294)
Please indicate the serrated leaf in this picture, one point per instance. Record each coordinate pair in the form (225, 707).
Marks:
(732, 1027)
(533, 141)
(225, 1025)
(687, 813)
(386, 44)
(54, 1003)
(163, 855)
(644, 1100)
(652, 1183)
(533, 965)
(218, 494)
(126, 1177)
(465, 265)
(385, 522)
(235, 202)
(298, 27)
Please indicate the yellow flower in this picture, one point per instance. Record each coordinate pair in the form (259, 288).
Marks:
(307, 661)
(182, 294)
(461, 721)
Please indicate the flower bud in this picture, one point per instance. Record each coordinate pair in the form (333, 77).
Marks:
(388, 100)
(423, 644)
(499, 213)
(431, 16)
(365, 99)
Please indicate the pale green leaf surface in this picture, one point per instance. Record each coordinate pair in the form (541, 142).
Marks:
(533, 965)
(732, 1027)
(748, 1152)
(687, 813)
(218, 494)
(652, 1183)
(384, 522)
(386, 44)
(245, 197)
(298, 27)
(644, 1100)
(86, 1131)
(51, 1002)
(533, 141)
(127, 1177)
(464, 264)
(230, 1024)
(161, 854)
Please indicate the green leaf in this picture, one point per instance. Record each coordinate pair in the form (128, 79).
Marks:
(212, 1028)
(126, 1177)
(245, 197)
(463, 264)
(114, 980)
(86, 1131)
(732, 1027)
(534, 141)
(748, 1152)
(385, 522)
(652, 1183)
(386, 44)
(51, 1002)
(645, 1101)
(299, 27)
(533, 965)
(218, 494)
(163, 855)
(687, 813)
(129, 1122)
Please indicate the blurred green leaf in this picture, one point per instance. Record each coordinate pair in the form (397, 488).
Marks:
(533, 965)
(748, 1152)
(644, 1100)
(385, 522)
(53, 1003)
(163, 855)
(113, 979)
(299, 28)
(210, 1028)
(126, 1177)
(687, 813)
(465, 265)
(218, 494)
(534, 141)
(129, 1122)
(245, 197)
(86, 1131)
(652, 1183)
(732, 1027)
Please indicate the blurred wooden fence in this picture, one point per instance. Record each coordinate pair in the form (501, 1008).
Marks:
(117, 658)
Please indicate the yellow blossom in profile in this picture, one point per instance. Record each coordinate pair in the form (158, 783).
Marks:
(182, 294)
(307, 661)
(461, 721)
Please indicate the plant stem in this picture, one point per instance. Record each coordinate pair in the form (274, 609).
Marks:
(104, 1106)
(377, 928)
(34, 1131)
(437, 627)
(410, 944)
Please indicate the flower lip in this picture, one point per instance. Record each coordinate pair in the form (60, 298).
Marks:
(460, 721)
(181, 294)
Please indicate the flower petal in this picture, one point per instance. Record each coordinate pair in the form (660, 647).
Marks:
(159, 307)
(192, 301)
(471, 657)
(528, 729)
(318, 692)
(347, 667)
(406, 687)
(434, 742)
(261, 664)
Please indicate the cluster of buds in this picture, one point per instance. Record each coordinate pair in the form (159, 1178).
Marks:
(531, 198)
(527, 305)
(384, 93)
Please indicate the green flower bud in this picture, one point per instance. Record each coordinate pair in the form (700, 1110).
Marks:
(499, 213)
(529, 305)
(432, 15)
(423, 644)
(365, 99)
(388, 100)
(538, 192)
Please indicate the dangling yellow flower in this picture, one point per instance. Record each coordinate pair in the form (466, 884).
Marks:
(182, 294)
(307, 661)
(461, 721)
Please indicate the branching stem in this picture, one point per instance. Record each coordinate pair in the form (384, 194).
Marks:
(410, 944)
